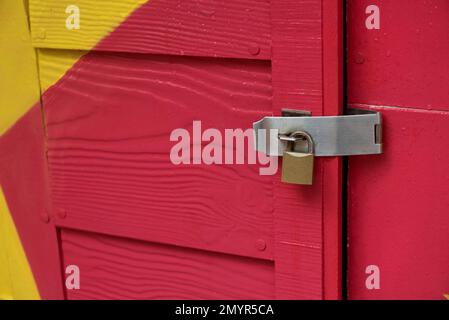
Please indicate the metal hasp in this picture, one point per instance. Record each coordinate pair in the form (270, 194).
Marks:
(359, 132)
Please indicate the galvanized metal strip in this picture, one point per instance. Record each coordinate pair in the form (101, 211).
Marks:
(358, 133)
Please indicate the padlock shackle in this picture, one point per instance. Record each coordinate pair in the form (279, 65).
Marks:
(303, 134)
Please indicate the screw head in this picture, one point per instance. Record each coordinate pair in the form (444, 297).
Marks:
(45, 217)
(261, 245)
(41, 34)
(359, 58)
(254, 49)
(62, 213)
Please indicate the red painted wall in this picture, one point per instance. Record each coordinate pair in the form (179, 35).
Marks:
(398, 202)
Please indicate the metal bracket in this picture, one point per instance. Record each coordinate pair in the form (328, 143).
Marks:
(357, 133)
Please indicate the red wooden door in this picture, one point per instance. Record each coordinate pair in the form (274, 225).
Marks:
(139, 226)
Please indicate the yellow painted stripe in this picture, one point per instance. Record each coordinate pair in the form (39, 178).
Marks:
(19, 86)
(19, 90)
(53, 64)
(50, 34)
(16, 278)
(6, 292)
(97, 19)
(19, 82)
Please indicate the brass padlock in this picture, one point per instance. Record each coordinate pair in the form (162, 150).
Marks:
(297, 167)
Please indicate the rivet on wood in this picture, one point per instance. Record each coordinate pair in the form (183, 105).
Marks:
(254, 50)
(359, 58)
(261, 245)
(62, 213)
(41, 34)
(45, 217)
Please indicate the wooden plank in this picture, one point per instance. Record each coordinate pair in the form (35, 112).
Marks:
(105, 170)
(109, 121)
(224, 28)
(404, 63)
(114, 268)
(30, 242)
(398, 204)
(16, 277)
(297, 65)
(24, 180)
(333, 92)
(97, 18)
(54, 64)
(19, 88)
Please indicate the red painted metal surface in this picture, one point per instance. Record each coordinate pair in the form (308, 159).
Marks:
(398, 203)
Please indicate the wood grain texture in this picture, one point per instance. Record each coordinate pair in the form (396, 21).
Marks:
(19, 86)
(398, 205)
(31, 244)
(333, 93)
(114, 268)
(24, 180)
(297, 66)
(222, 28)
(405, 62)
(54, 63)
(109, 122)
(16, 278)
(97, 19)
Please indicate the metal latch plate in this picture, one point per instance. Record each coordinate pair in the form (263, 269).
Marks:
(357, 133)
